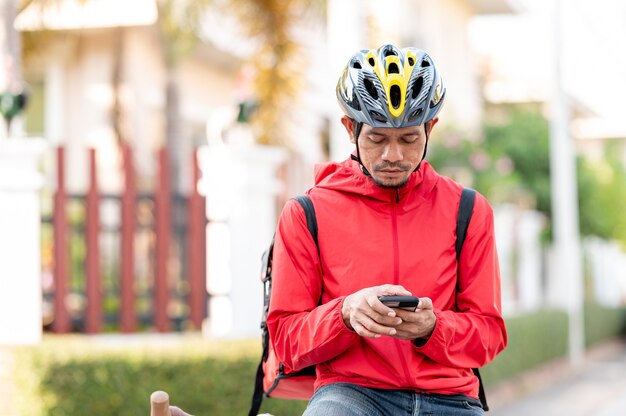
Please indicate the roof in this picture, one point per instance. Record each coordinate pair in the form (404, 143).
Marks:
(492, 7)
(92, 14)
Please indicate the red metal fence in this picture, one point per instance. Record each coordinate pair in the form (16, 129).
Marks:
(176, 297)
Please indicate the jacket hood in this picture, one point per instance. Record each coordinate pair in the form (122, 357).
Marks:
(347, 177)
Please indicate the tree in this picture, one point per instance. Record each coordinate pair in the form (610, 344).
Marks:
(512, 164)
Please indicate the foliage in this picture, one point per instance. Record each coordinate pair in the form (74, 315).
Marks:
(278, 60)
(534, 339)
(601, 185)
(602, 323)
(540, 337)
(83, 376)
(69, 375)
(511, 164)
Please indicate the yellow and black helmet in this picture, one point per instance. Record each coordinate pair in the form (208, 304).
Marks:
(391, 87)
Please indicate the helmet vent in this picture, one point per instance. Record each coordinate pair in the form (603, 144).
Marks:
(389, 52)
(417, 87)
(393, 68)
(425, 64)
(371, 89)
(356, 64)
(371, 61)
(378, 117)
(394, 95)
(411, 61)
(415, 115)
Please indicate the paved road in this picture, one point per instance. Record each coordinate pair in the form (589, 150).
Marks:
(597, 388)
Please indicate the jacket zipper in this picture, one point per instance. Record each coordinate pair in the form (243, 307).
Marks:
(396, 275)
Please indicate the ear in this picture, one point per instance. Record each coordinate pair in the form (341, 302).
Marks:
(429, 126)
(348, 123)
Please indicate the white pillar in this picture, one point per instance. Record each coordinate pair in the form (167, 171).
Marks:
(241, 186)
(54, 108)
(529, 224)
(346, 34)
(20, 223)
(565, 200)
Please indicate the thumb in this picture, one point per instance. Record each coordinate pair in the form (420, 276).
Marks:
(177, 411)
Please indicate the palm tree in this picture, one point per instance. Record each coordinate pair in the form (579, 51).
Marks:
(277, 61)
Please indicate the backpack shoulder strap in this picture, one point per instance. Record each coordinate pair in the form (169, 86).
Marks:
(311, 219)
(466, 207)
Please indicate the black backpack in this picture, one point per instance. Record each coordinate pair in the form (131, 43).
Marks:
(272, 380)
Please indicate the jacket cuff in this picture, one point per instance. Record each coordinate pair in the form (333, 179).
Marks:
(437, 342)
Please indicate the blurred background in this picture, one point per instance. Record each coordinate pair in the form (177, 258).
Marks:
(148, 146)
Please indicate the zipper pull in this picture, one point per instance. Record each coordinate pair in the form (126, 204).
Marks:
(397, 195)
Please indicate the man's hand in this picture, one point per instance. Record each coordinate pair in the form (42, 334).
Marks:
(176, 411)
(416, 325)
(367, 316)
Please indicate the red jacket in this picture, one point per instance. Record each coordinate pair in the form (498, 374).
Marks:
(370, 236)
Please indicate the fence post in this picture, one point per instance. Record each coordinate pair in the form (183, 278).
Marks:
(61, 322)
(196, 249)
(128, 317)
(163, 217)
(93, 320)
(20, 242)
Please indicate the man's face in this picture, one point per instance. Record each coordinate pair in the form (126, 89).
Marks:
(389, 154)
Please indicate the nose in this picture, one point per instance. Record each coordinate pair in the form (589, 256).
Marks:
(392, 152)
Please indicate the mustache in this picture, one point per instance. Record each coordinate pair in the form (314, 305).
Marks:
(394, 165)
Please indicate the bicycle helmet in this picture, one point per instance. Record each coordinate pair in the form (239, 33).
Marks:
(391, 87)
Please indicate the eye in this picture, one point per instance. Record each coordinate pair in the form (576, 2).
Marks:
(376, 139)
(410, 139)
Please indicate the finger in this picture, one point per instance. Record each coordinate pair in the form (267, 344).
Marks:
(362, 331)
(380, 312)
(392, 290)
(425, 303)
(159, 403)
(177, 411)
(379, 308)
(368, 326)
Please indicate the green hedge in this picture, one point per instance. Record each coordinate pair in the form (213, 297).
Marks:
(68, 375)
(542, 336)
(77, 376)
(602, 323)
(534, 339)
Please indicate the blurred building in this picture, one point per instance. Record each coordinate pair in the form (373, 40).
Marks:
(98, 78)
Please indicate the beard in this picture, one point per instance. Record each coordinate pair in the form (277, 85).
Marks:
(389, 184)
(385, 185)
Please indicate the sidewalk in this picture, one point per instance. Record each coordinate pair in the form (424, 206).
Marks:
(7, 387)
(597, 387)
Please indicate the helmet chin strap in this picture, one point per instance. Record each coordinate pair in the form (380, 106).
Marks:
(425, 148)
(357, 130)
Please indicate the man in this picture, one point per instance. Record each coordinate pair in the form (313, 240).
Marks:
(387, 224)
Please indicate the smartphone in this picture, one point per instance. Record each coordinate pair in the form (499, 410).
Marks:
(403, 302)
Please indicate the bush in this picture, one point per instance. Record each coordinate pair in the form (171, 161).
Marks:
(534, 339)
(68, 376)
(71, 375)
(542, 336)
(602, 323)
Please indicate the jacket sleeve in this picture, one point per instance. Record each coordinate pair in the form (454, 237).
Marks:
(475, 333)
(302, 331)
